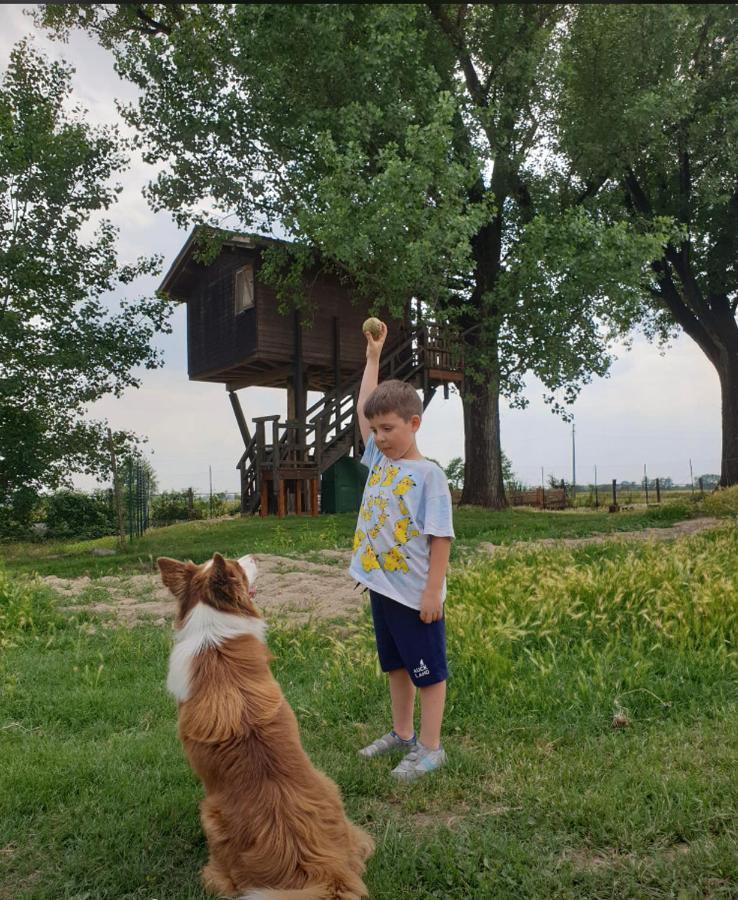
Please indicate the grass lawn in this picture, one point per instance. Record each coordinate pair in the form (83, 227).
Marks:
(541, 798)
(303, 536)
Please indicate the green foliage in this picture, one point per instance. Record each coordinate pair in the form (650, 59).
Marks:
(26, 608)
(80, 515)
(181, 506)
(647, 129)
(60, 348)
(406, 158)
(722, 502)
(455, 473)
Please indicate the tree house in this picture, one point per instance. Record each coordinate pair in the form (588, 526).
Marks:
(237, 336)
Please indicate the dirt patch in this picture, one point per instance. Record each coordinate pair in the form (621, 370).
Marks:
(680, 529)
(291, 589)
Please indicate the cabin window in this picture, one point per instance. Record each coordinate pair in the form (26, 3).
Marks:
(244, 288)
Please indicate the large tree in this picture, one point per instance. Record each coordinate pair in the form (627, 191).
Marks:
(60, 346)
(649, 111)
(404, 143)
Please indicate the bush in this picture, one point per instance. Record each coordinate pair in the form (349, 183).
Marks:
(175, 506)
(17, 513)
(722, 502)
(184, 506)
(26, 607)
(78, 515)
(672, 511)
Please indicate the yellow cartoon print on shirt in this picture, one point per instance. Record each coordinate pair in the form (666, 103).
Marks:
(369, 560)
(404, 531)
(391, 472)
(403, 507)
(394, 561)
(375, 529)
(358, 538)
(375, 477)
(380, 502)
(365, 512)
(403, 486)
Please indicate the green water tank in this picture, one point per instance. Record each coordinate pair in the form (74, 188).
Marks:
(342, 486)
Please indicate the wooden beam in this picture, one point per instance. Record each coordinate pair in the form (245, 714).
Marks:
(298, 378)
(313, 496)
(240, 418)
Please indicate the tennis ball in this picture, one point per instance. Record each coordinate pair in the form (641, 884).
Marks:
(373, 326)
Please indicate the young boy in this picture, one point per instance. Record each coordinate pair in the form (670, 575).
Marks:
(401, 549)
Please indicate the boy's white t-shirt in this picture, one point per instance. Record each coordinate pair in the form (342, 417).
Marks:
(405, 502)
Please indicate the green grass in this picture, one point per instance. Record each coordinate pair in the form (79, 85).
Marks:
(541, 798)
(303, 536)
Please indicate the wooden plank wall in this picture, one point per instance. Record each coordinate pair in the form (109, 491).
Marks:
(216, 337)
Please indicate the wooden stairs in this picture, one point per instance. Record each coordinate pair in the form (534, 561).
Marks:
(283, 460)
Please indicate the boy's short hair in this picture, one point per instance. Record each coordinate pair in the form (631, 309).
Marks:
(393, 396)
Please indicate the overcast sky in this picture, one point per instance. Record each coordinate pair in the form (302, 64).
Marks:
(656, 410)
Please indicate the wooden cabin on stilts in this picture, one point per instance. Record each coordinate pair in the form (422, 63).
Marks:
(237, 336)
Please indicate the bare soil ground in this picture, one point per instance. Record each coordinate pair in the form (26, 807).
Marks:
(292, 590)
(680, 529)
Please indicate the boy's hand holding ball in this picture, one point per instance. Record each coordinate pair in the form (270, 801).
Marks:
(376, 334)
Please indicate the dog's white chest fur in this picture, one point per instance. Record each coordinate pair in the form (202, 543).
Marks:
(205, 627)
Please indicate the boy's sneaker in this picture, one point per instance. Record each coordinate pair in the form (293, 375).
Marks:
(418, 762)
(387, 743)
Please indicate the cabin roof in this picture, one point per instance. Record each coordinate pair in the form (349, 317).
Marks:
(174, 283)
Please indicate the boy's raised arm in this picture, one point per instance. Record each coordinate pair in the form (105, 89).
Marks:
(371, 376)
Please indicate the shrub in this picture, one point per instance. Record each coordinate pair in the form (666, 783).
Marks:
(184, 506)
(672, 511)
(723, 502)
(78, 515)
(175, 506)
(26, 607)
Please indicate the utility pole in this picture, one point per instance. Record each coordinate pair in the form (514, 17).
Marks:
(573, 464)
(210, 471)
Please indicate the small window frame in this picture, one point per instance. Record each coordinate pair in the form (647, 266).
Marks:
(244, 293)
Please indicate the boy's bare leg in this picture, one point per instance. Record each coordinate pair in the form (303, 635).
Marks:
(432, 702)
(402, 694)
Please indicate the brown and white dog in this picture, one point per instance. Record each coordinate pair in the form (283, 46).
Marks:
(275, 825)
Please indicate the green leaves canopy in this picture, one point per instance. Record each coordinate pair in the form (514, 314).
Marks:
(60, 347)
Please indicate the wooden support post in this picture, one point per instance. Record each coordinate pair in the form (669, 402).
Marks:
(264, 502)
(280, 499)
(240, 419)
(313, 496)
(337, 367)
(298, 378)
(298, 496)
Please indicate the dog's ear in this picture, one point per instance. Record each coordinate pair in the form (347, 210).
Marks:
(219, 569)
(176, 575)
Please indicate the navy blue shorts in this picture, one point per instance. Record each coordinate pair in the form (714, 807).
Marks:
(405, 642)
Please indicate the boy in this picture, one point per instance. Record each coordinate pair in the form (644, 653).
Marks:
(401, 549)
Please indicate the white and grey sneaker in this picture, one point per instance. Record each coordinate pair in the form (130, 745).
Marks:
(418, 762)
(387, 743)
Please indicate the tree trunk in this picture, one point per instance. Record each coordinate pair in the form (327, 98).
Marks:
(483, 484)
(728, 371)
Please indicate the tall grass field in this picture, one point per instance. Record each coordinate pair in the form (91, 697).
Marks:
(591, 731)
